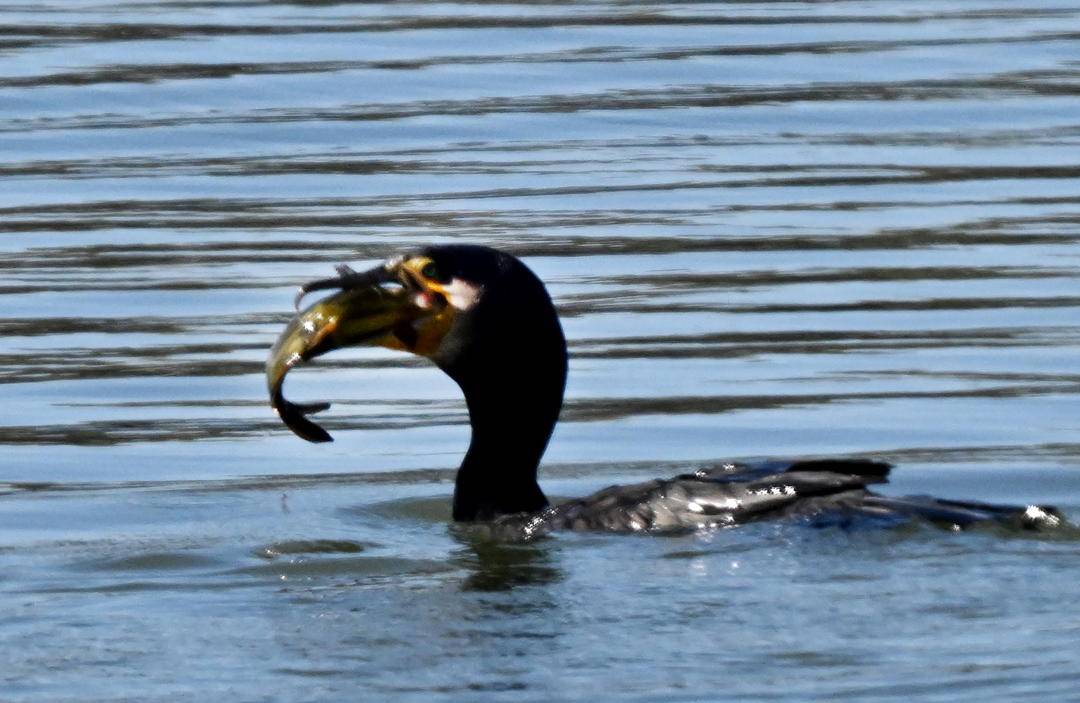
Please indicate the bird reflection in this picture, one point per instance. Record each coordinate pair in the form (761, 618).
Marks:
(502, 566)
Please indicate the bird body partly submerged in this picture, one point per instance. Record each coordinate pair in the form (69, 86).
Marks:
(818, 493)
(487, 321)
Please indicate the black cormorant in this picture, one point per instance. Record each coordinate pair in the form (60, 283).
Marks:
(487, 321)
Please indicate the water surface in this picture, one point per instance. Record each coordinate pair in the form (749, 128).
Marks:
(771, 228)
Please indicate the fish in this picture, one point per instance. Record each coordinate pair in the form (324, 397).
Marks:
(324, 326)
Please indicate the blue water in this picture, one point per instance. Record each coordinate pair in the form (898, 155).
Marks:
(771, 229)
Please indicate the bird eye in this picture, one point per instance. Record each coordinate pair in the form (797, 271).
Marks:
(431, 271)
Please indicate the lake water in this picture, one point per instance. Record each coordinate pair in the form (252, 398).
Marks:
(772, 229)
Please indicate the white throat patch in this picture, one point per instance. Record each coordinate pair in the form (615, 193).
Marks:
(462, 295)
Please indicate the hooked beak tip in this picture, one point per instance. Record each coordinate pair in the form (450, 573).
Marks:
(346, 279)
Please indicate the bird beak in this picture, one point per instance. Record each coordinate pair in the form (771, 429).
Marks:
(388, 306)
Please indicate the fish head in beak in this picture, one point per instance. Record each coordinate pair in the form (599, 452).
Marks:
(408, 304)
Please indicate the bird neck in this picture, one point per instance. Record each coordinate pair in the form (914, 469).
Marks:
(508, 354)
(510, 432)
(513, 410)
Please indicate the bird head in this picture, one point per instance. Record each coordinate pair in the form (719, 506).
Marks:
(480, 314)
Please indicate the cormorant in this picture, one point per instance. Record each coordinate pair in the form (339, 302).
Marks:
(487, 321)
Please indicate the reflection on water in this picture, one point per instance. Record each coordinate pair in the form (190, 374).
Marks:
(499, 566)
(771, 228)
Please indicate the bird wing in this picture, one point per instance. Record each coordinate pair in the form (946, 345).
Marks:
(818, 492)
(726, 494)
